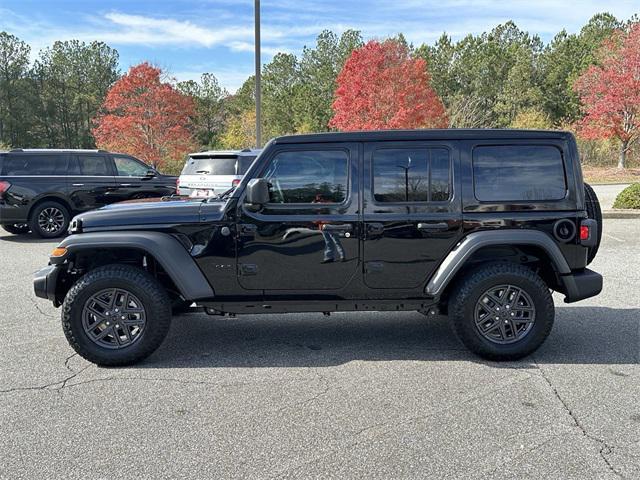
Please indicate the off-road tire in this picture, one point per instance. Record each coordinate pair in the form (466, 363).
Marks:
(592, 206)
(146, 288)
(467, 292)
(16, 229)
(35, 214)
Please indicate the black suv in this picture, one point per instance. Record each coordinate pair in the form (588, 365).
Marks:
(40, 190)
(478, 224)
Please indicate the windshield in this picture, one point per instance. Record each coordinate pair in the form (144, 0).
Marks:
(211, 166)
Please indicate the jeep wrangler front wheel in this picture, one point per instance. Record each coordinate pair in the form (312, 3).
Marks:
(116, 315)
(502, 311)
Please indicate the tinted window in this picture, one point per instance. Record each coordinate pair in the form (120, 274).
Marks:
(308, 177)
(38, 164)
(518, 172)
(94, 165)
(128, 167)
(244, 163)
(411, 175)
(220, 165)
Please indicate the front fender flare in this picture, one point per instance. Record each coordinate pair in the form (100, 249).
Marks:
(477, 240)
(167, 251)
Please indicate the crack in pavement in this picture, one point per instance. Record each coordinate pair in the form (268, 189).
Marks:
(605, 448)
(48, 386)
(388, 426)
(324, 391)
(35, 304)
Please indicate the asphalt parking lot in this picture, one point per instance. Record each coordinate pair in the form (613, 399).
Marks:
(373, 395)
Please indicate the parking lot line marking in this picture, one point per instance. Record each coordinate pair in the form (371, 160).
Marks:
(614, 238)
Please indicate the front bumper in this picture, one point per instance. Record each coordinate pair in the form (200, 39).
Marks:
(45, 282)
(581, 285)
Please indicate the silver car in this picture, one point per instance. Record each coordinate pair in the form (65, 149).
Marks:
(213, 172)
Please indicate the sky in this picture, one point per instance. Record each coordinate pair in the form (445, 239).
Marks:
(190, 37)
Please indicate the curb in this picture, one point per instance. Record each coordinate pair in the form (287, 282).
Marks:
(621, 213)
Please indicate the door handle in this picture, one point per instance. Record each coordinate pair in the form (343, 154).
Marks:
(375, 228)
(329, 227)
(77, 184)
(125, 184)
(433, 227)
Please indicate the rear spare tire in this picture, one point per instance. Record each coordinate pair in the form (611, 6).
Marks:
(592, 206)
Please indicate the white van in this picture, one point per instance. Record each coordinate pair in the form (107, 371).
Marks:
(213, 172)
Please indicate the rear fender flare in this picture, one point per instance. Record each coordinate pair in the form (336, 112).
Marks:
(477, 240)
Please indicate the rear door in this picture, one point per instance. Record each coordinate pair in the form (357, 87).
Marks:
(412, 214)
(91, 182)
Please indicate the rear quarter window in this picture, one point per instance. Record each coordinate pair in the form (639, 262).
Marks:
(503, 173)
(37, 164)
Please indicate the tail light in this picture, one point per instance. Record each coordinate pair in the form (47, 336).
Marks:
(589, 232)
(178, 186)
(235, 183)
(4, 186)
(584, 232)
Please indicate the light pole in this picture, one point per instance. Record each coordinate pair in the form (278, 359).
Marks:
(258, 87)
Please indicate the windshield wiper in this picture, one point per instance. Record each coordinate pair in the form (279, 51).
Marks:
(223, 195)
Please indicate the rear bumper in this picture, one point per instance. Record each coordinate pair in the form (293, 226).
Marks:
(581, 285)
(11, 215)
(45, 282)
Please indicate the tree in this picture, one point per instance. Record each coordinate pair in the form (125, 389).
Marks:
(72, 79)
(319, 68)
(610, 92)
(485, 80)
(382, 87)
(241, 131)
(280, 90)
(14, 92)
(209, 99)
(564, 60)
(146, 117)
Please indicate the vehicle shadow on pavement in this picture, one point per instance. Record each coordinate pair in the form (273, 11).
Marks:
(581, 335)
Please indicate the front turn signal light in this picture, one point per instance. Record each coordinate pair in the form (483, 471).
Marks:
(59, 252)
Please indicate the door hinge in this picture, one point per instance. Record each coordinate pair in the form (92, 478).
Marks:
(375, 229)
(248, 269)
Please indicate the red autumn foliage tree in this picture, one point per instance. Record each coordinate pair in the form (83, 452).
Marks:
(610, 92)
(145, 117)
(381, 87)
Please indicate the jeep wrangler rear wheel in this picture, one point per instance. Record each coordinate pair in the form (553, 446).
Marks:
(116, 315)
(502, 311)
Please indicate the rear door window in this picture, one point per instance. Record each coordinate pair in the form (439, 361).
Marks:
(222, 165)
(92, 165)
(35, 164)
(503, 173)
(403, 175)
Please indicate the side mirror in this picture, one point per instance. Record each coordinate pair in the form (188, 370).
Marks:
(150, 173)
(257, 192)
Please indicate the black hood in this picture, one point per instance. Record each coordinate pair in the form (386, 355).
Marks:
(144, 214)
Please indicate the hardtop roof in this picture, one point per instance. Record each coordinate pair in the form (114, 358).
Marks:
(426, 134)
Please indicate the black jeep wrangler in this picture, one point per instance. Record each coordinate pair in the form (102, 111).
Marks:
(480, 225)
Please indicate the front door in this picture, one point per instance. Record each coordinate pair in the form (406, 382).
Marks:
(307, 236)
(412, 215)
